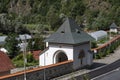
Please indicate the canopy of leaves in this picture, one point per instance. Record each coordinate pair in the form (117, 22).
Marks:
(35, 44)
(95, 14)
(11, 44)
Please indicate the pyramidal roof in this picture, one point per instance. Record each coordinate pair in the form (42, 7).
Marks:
(113, 25)
(69, 33)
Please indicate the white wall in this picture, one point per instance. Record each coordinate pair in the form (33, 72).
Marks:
(113, 30)
(71, 52)
(53, 48)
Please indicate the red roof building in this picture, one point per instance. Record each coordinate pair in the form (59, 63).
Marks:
(36, 54)
(5, 64)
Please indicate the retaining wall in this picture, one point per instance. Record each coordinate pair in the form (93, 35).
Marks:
(50, 71)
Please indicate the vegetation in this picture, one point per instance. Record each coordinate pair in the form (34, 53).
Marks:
(107, 50)
(86, 77)
(95, 15)
(94, 44)
(11, 44)
(9, 25)
(35, 44)
(103, 40)
(19, 61)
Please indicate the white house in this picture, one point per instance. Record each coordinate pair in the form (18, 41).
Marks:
(113, 28)
(69, 42)
(2, 39)
(98, 35)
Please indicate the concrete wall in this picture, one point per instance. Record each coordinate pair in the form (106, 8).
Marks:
(87, 60)
(51, 71)
(49, 55)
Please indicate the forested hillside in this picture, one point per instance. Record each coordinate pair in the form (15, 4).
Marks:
(49, 14)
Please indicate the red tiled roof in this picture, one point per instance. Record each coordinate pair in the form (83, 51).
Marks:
(5, 62)
(36, 54)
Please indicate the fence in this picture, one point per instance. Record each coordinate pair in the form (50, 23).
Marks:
(106, 48)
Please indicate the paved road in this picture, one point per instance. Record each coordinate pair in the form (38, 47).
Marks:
(113, 75)
(105, 69)
(93, 73)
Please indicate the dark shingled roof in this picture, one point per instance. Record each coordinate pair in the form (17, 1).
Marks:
(69, 33)
(113, 26)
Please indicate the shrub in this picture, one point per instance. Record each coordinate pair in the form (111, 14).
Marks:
(18, 61)
(93, 44)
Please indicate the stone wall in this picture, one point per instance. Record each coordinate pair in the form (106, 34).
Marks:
(4, 73)
(50, 71)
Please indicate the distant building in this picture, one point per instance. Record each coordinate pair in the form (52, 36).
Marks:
(25, 36)
(3, 50)
(98, 35)
(36, 54)
(22, 38)
(113, 28)
(2, 39)
(69, 42)
(5, 64)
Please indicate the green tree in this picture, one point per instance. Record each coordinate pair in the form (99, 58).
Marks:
(38, 44)
(4, 6)
(11, 44)
(78, 9)
(52, 21)
(30, 45)
(35, 44)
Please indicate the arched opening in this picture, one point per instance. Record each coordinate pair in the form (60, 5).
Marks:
(60, 57)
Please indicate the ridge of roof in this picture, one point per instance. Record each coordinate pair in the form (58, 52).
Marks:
(69, 33)
(113, 25)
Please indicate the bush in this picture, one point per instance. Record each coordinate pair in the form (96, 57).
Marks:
(108, 52)
(98, 56)
(107, 49)
(30, 58)
(18, 61)
(93, 44)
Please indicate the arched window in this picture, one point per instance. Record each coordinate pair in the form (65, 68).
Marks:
(81, 54)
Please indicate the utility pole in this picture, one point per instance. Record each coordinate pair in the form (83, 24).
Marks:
(25, 60)
(44, 65)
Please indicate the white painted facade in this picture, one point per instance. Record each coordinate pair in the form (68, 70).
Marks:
(69, 42)
(48, 57)
(113, 30)
(72, 52)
